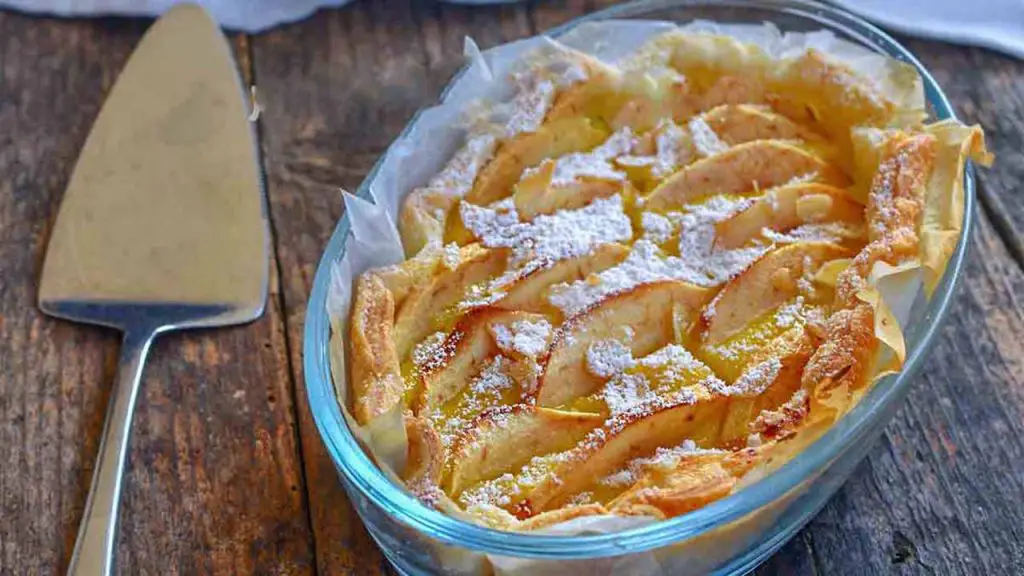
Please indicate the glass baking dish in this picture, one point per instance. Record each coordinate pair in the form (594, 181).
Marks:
(732, 535)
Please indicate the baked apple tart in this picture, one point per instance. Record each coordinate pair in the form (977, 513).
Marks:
(635, 287)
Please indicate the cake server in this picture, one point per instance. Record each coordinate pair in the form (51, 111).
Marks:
(162, 227)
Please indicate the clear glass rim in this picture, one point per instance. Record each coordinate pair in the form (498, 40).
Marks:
(361, 473)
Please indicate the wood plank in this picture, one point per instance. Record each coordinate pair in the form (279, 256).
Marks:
(214, 483)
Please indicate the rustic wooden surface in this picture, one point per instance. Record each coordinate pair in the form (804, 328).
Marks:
(226, 471)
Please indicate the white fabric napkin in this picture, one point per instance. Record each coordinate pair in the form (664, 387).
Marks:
(996, 24)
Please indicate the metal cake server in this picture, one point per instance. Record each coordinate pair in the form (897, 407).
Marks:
(162, 227)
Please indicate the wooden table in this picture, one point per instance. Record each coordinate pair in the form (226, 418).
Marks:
(226, 472)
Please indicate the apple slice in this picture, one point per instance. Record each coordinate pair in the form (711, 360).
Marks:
(506, 438)
(646, 311)
(553, 139)
(418, 315)
(770, 378)
(401, 279)
(787, 207)
(377, 384)
(529, 292)
(736, 124)
(625, 437)
(756, 290)
(693, 482)
(536, 195)
(599, 96)
(464, 352)
(425, 456)
(740, 170)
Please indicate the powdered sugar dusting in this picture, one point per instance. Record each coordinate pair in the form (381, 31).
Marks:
(628, 392)
(581, 499)
(528, 108)
(548, 237)
(663, 458)
(755, 379)
(523, 337)
(671, 151)
(822, 232)
(699, 262)
(594, 164)
(494, 493)
(657, 228)
(450, 256)
(432, 352)
(789, 314)
(493, 377)
(457, 177)
(705, 140)
(606, 358)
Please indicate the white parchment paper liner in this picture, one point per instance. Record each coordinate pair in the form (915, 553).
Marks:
(432, 138)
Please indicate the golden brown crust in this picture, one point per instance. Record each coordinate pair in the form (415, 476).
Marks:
(693, 483)
(844, 356)
(506, 439)
(376, 377)
(425, 460)
(553, 517)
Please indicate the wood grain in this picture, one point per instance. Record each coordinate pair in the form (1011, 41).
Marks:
(213, 483)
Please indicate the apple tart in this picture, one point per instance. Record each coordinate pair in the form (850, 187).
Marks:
(637, 286)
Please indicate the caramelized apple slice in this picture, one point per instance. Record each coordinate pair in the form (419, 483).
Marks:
(740, 170)
(597, 97)
(536, 195)
(529, 292)
(506, 438)
(646, 311)
(769, 378)
(400, 279)
(686, 483)
(418, 314)
(757, 289)
(466, 350)
(656, 94)
(425, 455)
(553, 139)
(377, 383)
(632, 434)
(422, 218)
(787, 207)
(736, 124)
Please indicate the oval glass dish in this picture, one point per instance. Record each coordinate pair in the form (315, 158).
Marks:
(732, 535)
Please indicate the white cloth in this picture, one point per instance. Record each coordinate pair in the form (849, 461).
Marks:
(996, 24)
